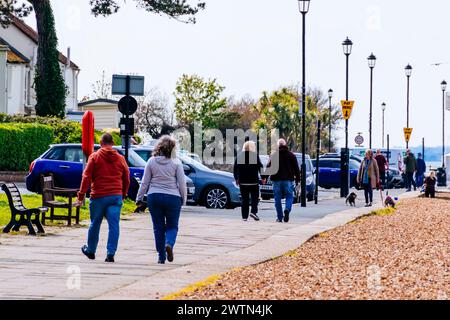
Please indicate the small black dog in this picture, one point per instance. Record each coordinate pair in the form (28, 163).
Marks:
(351, 199)
(389, 202)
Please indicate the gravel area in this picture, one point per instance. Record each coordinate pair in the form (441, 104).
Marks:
(403, 255)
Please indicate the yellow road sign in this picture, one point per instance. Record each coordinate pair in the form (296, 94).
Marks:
(407, 132)
(347, 107)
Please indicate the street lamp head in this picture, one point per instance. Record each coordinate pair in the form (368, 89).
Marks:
(330, 93)
(347, 45)
(444, 85)
(303, 6)
(372, 60)
(383, 106)
(408, 70)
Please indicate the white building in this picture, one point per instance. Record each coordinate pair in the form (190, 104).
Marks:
(18, 58)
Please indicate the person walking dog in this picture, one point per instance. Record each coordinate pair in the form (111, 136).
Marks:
(369, 176)
(164, 183)
(383, 165)
(410, 168)
(284, 162)
(108, 177)
(246, 170)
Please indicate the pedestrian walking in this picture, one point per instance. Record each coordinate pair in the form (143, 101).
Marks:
(383, 166)
(368, 176)
(247, 169)
(430, 185)
(410, 169)
(165, 185)
(108, 177)
(421, 168)
(284, 170)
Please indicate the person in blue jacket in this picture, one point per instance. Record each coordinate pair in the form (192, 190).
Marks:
(421, 169)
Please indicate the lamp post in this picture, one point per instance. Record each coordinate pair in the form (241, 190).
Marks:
(443, 87)
(383, 109)
(347, 46)
(330, 95)
(371, 60)
(304, 8)
(408, 71)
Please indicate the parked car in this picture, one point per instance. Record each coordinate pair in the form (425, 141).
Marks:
(213, 188)
(330, 172)
(267, 187)
(65, 162)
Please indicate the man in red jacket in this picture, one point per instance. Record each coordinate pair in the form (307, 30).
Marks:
(108, 177)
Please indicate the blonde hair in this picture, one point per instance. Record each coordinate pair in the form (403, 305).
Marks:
(165, 147)
(432, 174)
(369, 152)
(249, 146)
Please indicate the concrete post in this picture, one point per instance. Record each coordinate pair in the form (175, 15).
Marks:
(3, 79)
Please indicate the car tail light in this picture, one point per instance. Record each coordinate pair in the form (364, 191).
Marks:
(32, 166)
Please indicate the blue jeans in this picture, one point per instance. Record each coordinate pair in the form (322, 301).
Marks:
(419, 180)
(165, 212)
(283, 189)
(108, 207)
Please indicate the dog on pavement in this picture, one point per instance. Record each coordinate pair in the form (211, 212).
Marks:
(351, 199)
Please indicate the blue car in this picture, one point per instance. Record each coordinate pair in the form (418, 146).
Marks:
(330, 172)
(267, 187)
(213, 188)
(65, 162)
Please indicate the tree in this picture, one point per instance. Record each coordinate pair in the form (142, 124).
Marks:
(198, 100)
(101, 89)
(280, 110)
(49, 84)
(153, 115)
(246, 109)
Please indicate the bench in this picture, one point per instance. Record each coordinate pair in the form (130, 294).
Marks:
(49, 193)
(26, 217)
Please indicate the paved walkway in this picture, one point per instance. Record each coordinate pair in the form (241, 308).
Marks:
(210, 242)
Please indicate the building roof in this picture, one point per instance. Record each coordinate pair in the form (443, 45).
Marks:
(14, 56)
(101, 100)
(33, 35)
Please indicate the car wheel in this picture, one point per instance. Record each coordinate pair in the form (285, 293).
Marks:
(216, 198)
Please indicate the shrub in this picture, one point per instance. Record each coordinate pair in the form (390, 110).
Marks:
(21, 143)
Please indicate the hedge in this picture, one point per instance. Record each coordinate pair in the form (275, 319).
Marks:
(65, 131)
(21, 143)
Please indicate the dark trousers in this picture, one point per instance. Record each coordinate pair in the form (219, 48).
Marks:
(410, 180)
(383, 178)
(165, 212)
(430, 192)
(250, 196)
(368, 192)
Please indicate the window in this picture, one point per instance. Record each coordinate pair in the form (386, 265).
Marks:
(55, 154)
(145, 155)
(73, 155)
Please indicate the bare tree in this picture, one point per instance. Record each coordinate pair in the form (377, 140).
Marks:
(101, 89)
(154, 115)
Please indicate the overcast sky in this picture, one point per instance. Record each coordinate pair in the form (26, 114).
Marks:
(254, 45)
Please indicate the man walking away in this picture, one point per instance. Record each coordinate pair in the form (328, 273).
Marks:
(410, 168)
(108, 177)
(383, 165)
(285, 162)
(421, 168)
(247, 168)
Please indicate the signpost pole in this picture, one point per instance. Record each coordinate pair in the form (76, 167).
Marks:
(316, 192)
(126, 121)
(388, 154)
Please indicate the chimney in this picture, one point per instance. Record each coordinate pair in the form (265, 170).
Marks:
(68, 57)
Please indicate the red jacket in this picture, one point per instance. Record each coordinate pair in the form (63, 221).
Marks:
(106, 173)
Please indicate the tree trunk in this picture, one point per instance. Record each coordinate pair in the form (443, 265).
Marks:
(49, 83)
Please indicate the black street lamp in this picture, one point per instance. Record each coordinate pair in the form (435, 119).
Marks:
(443, 87)
(304, 8)
(383, 108)
(345, 177)
(330, 95)
(408, 71)
(371, 60)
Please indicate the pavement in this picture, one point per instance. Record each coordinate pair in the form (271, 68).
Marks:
(210, 242)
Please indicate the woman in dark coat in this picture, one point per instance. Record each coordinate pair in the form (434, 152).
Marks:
(430, 185)
(247, 169)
